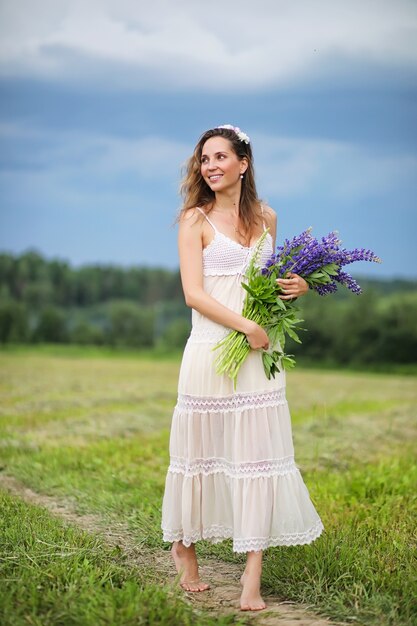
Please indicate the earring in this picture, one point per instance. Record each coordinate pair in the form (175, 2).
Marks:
(241, 176)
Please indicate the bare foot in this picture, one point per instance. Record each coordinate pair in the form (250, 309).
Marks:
(185, 560)
(251, 599)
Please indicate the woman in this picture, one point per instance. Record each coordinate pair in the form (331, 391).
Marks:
(232, 472)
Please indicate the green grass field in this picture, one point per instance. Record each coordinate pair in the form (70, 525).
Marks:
(91, 428)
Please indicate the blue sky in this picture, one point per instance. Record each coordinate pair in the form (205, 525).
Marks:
(100, 105)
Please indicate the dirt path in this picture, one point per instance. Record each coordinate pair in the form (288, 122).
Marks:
(221, 598)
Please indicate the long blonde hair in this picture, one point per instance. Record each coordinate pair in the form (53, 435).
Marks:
(196, 192)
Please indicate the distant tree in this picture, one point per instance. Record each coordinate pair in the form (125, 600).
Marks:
(63, 280)
(13, 322)
(51, 326)
(84, 333)
(87, 286)
(130, 326)
(38, 294)
(398, 327)
(7, 262)
(176, 334)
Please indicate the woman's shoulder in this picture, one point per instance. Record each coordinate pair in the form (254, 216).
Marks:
(190, 215)
(191, 222)
(269, 214)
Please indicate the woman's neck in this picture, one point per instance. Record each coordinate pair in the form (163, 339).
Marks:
(227, 203)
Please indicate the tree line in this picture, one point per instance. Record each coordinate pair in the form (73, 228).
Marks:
(45, 300)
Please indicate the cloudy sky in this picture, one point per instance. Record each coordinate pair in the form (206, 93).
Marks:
(102, 102)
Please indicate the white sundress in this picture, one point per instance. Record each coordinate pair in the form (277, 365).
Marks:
(232, 472)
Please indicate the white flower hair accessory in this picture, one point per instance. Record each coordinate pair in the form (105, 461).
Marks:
(242, 136)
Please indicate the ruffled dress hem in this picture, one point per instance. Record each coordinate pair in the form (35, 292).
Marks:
(216, 534)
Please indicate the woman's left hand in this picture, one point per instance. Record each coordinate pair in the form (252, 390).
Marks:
(292, 287)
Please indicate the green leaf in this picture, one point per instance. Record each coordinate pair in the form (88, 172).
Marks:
(280, 303)
(331, 268)
(267, 364)
(248, 289)
(293, 335)
(288, 362)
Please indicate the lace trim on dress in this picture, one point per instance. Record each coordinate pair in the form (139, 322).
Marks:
(215, 534)
(215, 465)
(240, 400)
(207, 335)
(226, 257)
(231, 271)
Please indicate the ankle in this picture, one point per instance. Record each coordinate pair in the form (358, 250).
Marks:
(180, 549)
(177, 548)
(253, 571)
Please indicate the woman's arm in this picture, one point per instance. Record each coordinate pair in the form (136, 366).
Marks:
(190, 247)
(294, 286)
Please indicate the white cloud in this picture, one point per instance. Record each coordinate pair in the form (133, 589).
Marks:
(187, 44)
(285, 166)
(106, 156)
(289, 167)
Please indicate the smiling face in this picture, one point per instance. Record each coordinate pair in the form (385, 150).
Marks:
(220, 165)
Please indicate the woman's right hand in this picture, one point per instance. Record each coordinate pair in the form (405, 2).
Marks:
(256, 336)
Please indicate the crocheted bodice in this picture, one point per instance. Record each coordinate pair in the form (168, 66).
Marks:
(226, 257)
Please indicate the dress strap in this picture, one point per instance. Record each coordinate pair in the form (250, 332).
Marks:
(262, 211)
(209, 221)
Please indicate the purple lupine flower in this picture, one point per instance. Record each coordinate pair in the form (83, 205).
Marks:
(346, 279)
(319, 262)
(323, 290)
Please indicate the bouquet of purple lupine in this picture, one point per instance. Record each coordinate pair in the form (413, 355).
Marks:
(319, 262)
